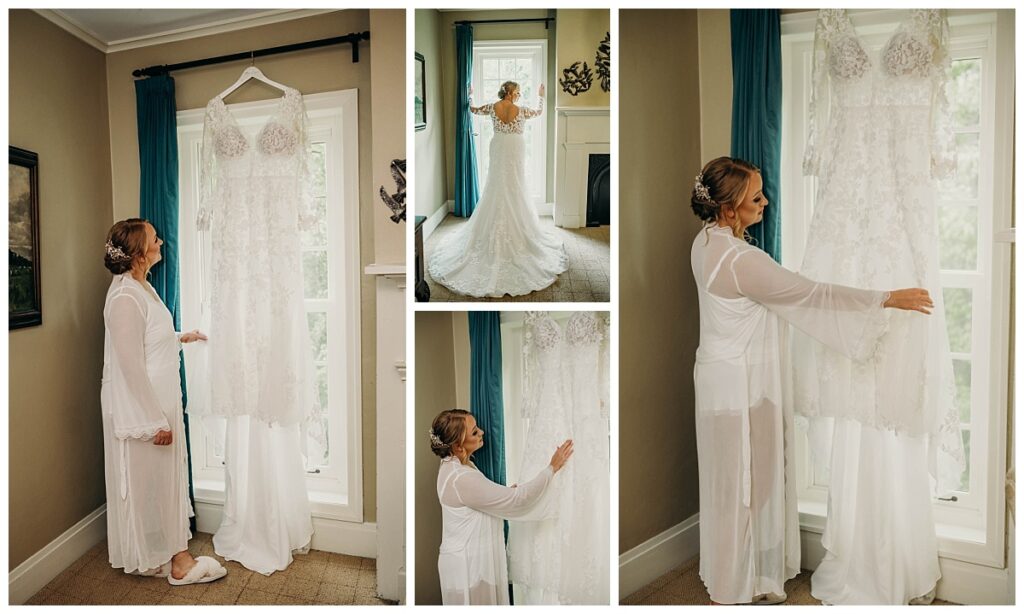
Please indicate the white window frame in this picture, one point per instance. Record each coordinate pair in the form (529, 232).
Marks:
(972, 529)
(336, 492)
(537, 51)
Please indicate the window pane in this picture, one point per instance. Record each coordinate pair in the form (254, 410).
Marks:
(490, 92)
(318, 334)
(523, 70)
(508, 69)
(965, 477)
(490, 67)
(964, 92)
(962, 375)
(964, 183)
(314, 273)
(958, 318)
(316, 236)
(958, 237)
(318, 447)
(318, 163)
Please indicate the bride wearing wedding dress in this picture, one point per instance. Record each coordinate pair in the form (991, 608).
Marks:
(502, 249)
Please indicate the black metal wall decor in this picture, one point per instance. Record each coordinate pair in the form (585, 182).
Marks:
(576, 79)
(396, 201)
(603, 62)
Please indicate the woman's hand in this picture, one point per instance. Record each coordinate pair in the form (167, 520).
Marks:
(561, 455)
(910, 299)
(541, 90)
(192, 335)
(163, 438)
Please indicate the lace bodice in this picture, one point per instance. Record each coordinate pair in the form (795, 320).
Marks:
(518, 123)
(909, 70)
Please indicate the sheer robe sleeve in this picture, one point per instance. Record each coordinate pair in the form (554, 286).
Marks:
(531, 113)
(943, 144)
(817, 111)
(138, 414)
(473, 490)
(848, 320)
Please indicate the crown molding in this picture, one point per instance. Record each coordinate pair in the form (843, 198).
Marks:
(177, 34)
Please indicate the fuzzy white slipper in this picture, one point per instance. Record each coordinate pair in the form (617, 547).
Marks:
(206, 569)
(769, 599)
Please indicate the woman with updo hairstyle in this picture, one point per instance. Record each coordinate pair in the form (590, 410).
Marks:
(472, 563)
(749, 531)
(145, 461)
(502, 249)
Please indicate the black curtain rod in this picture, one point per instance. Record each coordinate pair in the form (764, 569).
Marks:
(352, 38)
(532, 19)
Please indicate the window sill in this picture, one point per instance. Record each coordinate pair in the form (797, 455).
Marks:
(324, 504)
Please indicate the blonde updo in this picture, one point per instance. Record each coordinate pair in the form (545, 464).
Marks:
(722, 184)
(126, 242)
(506, 89)
(448, 429)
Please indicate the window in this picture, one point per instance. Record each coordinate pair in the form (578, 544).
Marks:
(525, 63)
(330, 257)
(972, 208)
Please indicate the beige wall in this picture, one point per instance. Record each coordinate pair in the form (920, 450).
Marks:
(387, 81)
(431, 174)
(460, 334)
(435, 392)
(580, 31)
(58, 109)
(659, 148)
(488, 32)
(311, 71)
(715, 50)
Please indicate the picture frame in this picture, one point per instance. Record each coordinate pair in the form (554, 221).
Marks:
(24, 289)
(420, 93)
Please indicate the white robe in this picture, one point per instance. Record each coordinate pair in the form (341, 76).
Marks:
(749, 533)
(471, 564)
(147, 485)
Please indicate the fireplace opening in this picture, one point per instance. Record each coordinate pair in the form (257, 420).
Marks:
(599, 190)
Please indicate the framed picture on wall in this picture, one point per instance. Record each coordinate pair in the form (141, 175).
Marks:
(25, 300)
(420, 93)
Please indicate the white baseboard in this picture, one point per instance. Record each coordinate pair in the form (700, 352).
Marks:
(643, 564)
(39, 569)
(434, 219)
(329, 535)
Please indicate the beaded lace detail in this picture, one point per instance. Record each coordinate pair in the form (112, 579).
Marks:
(518, 123)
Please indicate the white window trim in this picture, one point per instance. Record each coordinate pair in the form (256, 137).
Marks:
(333, 117)
(985, 545)
(538, 174)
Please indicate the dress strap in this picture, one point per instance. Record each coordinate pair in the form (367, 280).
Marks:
(718, 266)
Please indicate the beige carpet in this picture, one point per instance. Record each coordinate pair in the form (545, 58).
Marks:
(586, 280)
(683, 586)
(317, 578)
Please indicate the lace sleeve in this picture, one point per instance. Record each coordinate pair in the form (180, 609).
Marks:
(604, 365)
(307, 213)
(943, 145)
(848, 320)
(531, 113)
(135, 410)
(207, 174)
(481, 110)
(817, 110)
(531, 392)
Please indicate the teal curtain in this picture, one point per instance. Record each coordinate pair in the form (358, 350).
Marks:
(467, 190)
(485, 397)
(158, 202)
(757, 111)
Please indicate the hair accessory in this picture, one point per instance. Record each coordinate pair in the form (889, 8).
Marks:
(700, 189)
(434, 439)
(116, 253)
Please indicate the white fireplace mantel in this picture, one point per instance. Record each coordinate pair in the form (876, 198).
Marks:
(580, 132)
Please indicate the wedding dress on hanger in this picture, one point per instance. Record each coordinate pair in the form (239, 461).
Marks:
(561, 555)
(257, 371)
(880, 427)
(502, 249)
